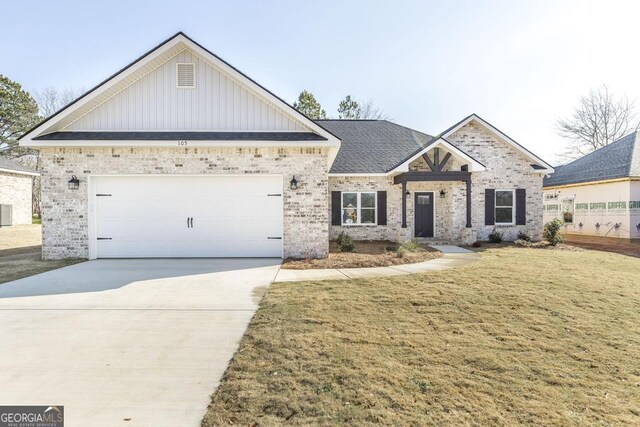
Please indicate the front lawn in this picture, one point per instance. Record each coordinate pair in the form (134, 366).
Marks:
(524, 336)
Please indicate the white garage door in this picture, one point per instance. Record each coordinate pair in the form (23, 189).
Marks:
(187, 216)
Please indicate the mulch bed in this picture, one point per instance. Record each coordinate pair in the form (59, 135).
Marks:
(366, 254)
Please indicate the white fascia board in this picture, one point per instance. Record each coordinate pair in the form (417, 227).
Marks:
(19, 172)
(510, 141)
(26, 140)
(164, 143)
(475, 166)
(81, 102)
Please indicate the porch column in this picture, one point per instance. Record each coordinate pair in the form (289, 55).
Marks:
(404, 204)
(468, 181)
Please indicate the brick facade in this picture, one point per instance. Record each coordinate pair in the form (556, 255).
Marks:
(506, 168)
(64, 211)
(16, 190)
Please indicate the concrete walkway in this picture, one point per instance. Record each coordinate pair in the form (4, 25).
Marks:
(127, 342)
(453, 256)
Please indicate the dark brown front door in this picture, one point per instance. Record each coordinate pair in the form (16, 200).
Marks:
(423, 214)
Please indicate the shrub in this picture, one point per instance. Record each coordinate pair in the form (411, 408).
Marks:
(476, 244)
(340, 237)
(346, 243)
(522, 235)
(410, 245)
(495, 236)
(401, 252)
(551, 232)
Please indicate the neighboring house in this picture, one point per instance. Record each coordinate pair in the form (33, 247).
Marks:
(598, 194)
(16, 190)
(179, 154)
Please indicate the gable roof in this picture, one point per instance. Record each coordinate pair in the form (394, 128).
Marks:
(373, 146)
(145, 64)
(11, 166)
(620, 159)
(537, 164)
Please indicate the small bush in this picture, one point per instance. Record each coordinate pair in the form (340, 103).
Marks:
(522, 235)
(340, 237)
(495, 236)
(401, 252)
(411, 245)
(476, 244)
(551, 232)
(346, 243)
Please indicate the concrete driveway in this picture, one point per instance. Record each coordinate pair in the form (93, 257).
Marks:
(127, 342)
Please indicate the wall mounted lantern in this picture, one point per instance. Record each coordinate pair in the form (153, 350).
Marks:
(407, 194)
(597, 225)
(581, 225)
(442, 194)
(74, 183)
(293, 184)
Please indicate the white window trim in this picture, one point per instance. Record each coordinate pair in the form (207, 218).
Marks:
(513, 206)
(359, 208)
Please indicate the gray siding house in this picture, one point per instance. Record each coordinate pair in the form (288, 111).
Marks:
(179, 154)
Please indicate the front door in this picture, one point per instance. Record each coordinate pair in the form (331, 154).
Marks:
(423, 214)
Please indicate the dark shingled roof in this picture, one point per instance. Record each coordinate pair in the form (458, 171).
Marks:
(11, 165)
(373, 146)
(619, 159)
(176, 136)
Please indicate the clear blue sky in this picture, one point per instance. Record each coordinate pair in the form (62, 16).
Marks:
(519, 64)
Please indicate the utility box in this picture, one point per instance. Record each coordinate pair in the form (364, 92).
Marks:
(6, 215)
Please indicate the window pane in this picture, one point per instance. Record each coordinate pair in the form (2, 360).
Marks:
(504, 215)
(349, 200)
(368, 216)
(424, 199)
(504, 198)
(368, 200)
(567, 210)
(349, 216)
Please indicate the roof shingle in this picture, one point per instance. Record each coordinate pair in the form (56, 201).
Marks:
(11, 165)
(373, 146)
(619, 159)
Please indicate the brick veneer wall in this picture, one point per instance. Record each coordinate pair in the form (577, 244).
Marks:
(65, 216)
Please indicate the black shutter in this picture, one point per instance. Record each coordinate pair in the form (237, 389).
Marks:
(336, 208)
(382, 208)
(489, 206)
(521, 206)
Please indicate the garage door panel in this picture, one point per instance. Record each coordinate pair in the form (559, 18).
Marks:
(232, 216)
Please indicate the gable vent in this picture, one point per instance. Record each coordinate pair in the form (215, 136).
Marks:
(186, 75)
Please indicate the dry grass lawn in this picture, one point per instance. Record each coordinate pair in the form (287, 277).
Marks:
(524, 336)
(366, 254)
(20, 253)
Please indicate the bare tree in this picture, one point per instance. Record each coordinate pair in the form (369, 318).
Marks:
(599, 120)
(51, 99)
(349, 108)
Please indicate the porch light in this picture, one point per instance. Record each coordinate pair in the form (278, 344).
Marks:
(293, 184)
(407, 194)
(442, 194)
(74, 183)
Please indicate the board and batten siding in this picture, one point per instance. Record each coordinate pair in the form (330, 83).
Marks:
(154, 103)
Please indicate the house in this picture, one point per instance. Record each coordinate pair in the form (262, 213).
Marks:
(598, 195)
(16, 191)
(179, 154)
